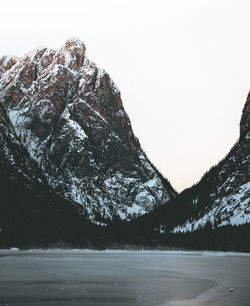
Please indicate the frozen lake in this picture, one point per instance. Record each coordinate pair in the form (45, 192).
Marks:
(123, 278)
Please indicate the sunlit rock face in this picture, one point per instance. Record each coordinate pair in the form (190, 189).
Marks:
(68, 114)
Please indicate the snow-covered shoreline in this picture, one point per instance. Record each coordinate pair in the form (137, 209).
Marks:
(120, 251)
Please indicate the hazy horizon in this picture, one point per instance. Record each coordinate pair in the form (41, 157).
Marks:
(183, 68)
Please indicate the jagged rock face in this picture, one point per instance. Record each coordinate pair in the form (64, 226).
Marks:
(222, 196)
(6, 62)
(69, 116)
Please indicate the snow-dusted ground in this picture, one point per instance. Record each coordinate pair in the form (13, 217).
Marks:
(119, 251)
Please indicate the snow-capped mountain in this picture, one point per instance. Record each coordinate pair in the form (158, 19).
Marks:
(221, 197)
(67, 115)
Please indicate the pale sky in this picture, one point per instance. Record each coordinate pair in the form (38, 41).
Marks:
(183, 67)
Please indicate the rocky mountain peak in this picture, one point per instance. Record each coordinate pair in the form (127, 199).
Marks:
(68, 114)
(75, 45)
